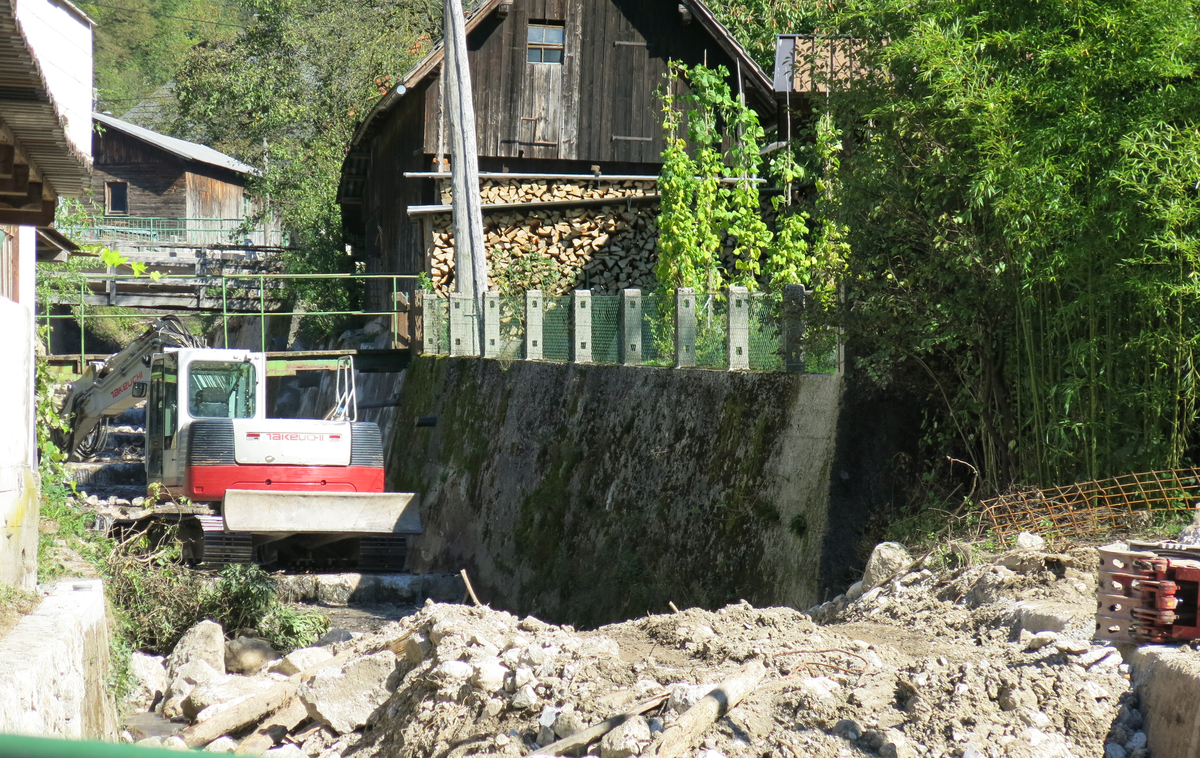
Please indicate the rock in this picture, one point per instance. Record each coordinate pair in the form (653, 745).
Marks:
(1071, 647)
(525, 698)
(1131, 718)
(627, 739)
(203, 642)
(299, 660)
(148, 680)
(1136, 742)
(416, 649)
(570, 723)
(222, 745)
(334, 636)
(1010, 699)
(174, 742)
(222, 691)
(886, 559)
(343, 698)
(684, 696)
(246, 655)
(1041, 640)
(493, 707)
(186, 678)
(855, 591)
(489, 674)
(988, 588)
(1030, 541)
(1113, 750)
(848, 729)
(455, 670)
(895, 745)
(285, 751)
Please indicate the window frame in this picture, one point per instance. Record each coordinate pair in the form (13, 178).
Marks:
(541, 46)
(108, 198)
(243, 386)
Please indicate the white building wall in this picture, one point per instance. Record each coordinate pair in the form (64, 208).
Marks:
(60, 37)
(19, 490)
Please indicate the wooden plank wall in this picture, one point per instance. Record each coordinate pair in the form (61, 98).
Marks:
(157, 180)
(600, 104)
(213, 193)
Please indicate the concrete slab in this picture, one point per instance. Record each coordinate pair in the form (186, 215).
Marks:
(353, 588)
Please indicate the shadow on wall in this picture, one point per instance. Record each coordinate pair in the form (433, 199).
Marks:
(589, 494)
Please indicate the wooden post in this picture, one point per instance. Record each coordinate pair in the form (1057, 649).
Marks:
(470, 255)
(738, 328)
(685, 327)
(534, 306)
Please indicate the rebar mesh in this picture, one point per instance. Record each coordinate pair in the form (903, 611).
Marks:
(711, 329)
(606, 328)
(766, 341)
(658, 330)
(1153, 498)
(512, 327)
(556, 328)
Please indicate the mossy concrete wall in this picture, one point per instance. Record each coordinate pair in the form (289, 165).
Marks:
(588, 493)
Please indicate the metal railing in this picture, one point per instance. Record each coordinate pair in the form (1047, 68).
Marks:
(731, 329)
(240, 295)
(153, 230)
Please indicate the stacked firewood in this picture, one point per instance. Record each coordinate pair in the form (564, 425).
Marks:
(558, 250)
(548, 190)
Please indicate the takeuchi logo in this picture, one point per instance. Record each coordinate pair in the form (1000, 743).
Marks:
(129, 383)
(293, 436)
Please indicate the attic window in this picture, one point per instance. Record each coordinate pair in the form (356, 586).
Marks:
(116, 196)
(545, 42)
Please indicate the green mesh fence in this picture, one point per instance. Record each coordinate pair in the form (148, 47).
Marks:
(437, 324)
(711, 327)
(766, 341)
(820, 351)
(512, 328)
(556, 329)
(606, 328)
(658, 330)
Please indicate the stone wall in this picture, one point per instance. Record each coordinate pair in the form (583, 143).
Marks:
(54, 681)
(589, 493)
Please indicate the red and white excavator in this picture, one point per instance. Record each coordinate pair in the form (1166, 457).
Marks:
(301, 492)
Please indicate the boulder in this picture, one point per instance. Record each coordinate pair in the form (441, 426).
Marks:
(887, 559)
(1030, 541)
(525, 698)
(569, 723)
(489, 674)
(299, 660)
(222, 691)
(334, 636)
(222, 745)
(203, 642)
(186, 678)
(148, 680)
(627, 739)
(246, 655)
(343, 698)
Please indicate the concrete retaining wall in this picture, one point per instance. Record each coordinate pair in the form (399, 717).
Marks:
(55, 670)
(589, 493)
(1167, 679)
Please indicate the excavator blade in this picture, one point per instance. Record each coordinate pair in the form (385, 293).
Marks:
(263, 511)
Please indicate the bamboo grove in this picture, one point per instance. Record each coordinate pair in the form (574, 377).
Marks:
(1021, 193)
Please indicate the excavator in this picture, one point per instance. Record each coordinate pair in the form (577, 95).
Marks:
(242, 487)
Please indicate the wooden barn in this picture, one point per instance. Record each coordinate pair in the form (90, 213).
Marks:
(570, 137)
(163, 188)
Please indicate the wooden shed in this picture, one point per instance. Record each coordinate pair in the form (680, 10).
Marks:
(139, 173)
(569, 132)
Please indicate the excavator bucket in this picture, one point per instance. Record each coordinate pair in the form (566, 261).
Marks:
(265, 511)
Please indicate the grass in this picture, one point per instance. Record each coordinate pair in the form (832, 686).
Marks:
(14, 603)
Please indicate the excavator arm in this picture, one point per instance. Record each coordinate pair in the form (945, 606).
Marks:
(107, 388)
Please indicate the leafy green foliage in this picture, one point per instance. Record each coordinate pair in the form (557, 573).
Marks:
(285, 96)
(1021, 202)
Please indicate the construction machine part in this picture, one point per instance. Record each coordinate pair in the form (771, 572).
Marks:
(221, 547)
(1148, 592)
(382, 553)
(265, 511)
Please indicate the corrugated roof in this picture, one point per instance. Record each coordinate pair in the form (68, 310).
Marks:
(188, 150)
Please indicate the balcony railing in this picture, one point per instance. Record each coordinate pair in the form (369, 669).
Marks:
(153, 231)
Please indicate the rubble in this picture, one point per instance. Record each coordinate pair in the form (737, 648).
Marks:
(246, 655)
(932, 662)
(203, 642)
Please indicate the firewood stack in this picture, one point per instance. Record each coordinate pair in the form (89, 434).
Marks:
(557, 250)
(547, 190)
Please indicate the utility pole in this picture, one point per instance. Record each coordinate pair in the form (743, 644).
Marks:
(470, 257)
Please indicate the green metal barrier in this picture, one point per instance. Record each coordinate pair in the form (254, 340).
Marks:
(13, 746)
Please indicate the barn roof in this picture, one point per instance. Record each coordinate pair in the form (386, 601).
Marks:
(187, 150)
(758, 78)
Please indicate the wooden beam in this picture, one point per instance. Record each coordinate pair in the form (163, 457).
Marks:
(43, 217)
